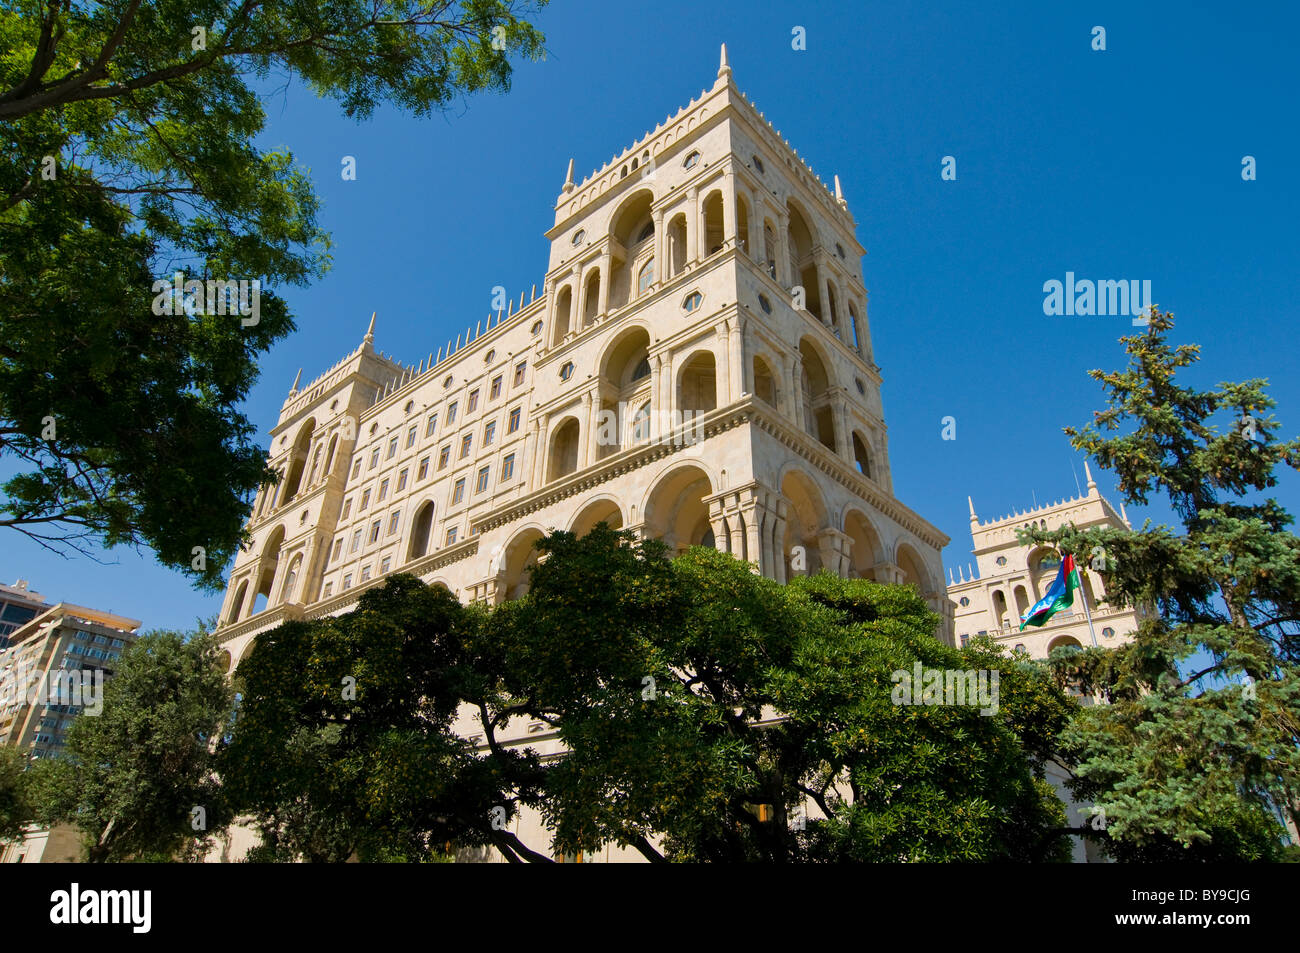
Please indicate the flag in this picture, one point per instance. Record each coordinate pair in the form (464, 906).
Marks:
(1060, 594)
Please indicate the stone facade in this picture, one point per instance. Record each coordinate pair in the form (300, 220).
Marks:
(1009, 578)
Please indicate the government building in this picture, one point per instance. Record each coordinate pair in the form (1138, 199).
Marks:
(697, 368)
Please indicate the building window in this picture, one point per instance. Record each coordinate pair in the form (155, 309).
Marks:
(489, 432)
(536, 328)
(443, 456)
(383, 489)
(481, 483)
(1108, 633)
(347, 508)
(964, 640)
(410, 404)
(356, 542)
(365, 499)
(385, 565)
(374, 458)
(862, 388)
(466, 442)
(496, 387)
(490, 356)
(401, 481)
(374, 531)
(451, 413)
(458, 491)
(758, 164)
(329, 590)
(424, 469)
(410, 437)
(578, 236)
(765, 304)
(365, 573)
(514, 421)
(338, 549)
(519, 372)
(1001, 560)
(646, 278)
(356, 468)
(507, 467)
(693, 301)
(392, 522)
(446, 381)
(691, 161)
(392, 449)
(451, 536)
(566, 371)
(641, 424)
(431, 426)
(473, 402)
(964, 601)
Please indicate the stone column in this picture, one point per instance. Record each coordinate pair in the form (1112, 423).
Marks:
(753, 238)
(843, 445)
(834, 547)
(587, 439)
(736, 352)
(724, 365)
(780, 509)
(729, 210)
(693, 237)
(539, 454)
(602, 298)
(796, 379)
(661, 246)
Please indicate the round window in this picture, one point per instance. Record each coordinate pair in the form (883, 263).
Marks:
(691, 160)
(693, 301)
(566, 371)
(765, 304)
(964, 601)
(1001, 560)
(1108, 632)
(578, 236)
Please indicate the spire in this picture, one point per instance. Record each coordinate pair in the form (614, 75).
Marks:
(839, 192)
(1087, 472)
(724, 70)
(1124, 515)
(568, 179)
(294, 388)
(370, 331)
(971, 503)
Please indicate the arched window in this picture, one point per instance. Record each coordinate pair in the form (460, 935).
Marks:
(647, 232)
(646, 277)
(641, 424)
(421, 530)
(861, 458)
(642, 369)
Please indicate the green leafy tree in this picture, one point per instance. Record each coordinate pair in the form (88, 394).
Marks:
(127, 156)
(16, 811)
(1195, 750)
(138, 779)
(343, 744)
(706, 705)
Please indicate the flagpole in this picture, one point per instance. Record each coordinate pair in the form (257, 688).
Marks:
(1083, 597)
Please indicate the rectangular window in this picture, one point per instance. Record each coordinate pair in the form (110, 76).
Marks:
(519, 372)
(401, 481)
(329, 589)
(386, 564)
(356, 468)
(410, 437)
(356, 542)
(424, 469)
(458, 491)
(514, 421)
(383, 489)
(473, 402)
(347, 508)
(451, 413)
(374, 458)
(365, 573)
(465, 443)
(489, 433)
(451, 536)
(392, 522)
(347, 581)
(496, 388)
(392, 449)
(431, 426)
(507, 467)
(481, 483)
(443, 456)
(365, 500)
(374, 531)
(338, 549)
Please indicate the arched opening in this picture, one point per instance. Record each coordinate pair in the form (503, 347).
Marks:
(329, 457)
(866, 550)
(591, 299)
(999, 601)
(803, 264)
(267, 567)
(421, 531)
(769, 247)
(297, 461)
(237, 606)
(833, 311)
(698, 390)
(861, 458)
(1022, 603)
(1063, 641)
(675, 511)
(742, 225)
(520, 556)
(676, 248)
(819, 417)
(764, 382)
(641, 423)
(291, 580)
(713, 233)
(914, 573)
(632, 231)
(598, 511)
(563, 316)
(1044, 564)
(624, 382)
(315, 465)
(805, 519)
(563, 458)
(853, 328)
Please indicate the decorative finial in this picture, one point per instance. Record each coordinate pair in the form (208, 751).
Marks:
(294, 388)
(1124, 515)
(724, 70)
(971, 503)
(839, 192)
(568, 179)
(370, 331)
(1087, 472)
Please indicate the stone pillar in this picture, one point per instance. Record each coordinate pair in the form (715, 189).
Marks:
(656, 391)
(736, 352)
(784, 265)
(587, 444)
(796, 391)
(729, 211)
(718, 524)
(723, 366)
(780, 509)
(602, 298)
(661, 246)
(539, 454)
(823, 278)
(693, 237)
(753, 238)
(843, 445)
(834, 548)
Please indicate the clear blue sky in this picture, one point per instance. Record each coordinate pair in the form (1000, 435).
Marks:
(1117, 164)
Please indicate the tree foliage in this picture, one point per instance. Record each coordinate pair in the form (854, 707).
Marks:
(1195, 748)
(127, 156)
